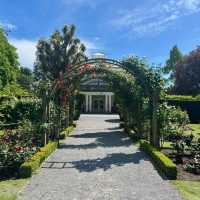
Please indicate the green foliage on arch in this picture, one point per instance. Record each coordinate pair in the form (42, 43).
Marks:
(134, 86)
(148, 78)
(61, 64)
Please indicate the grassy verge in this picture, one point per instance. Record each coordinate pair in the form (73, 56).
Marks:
(189, 189)
(10, 188)
(195, 130)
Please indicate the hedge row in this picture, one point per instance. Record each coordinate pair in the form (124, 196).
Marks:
(182, 98)
(28, 167)
(163, 162)
(67, 131)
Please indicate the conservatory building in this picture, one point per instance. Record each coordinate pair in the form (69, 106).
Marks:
(97, 96)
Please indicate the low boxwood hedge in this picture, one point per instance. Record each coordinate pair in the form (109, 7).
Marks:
(162, 162)
(67, 131)
(28, 167)
(182, 98)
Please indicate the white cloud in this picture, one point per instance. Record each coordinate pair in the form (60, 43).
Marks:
(91, 47)
(148, 20)
(26, 50)
(190, 4)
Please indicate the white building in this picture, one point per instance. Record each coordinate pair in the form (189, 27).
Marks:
(97, 96)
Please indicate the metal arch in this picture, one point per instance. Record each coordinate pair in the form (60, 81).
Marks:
(102, 61)
(107, 61)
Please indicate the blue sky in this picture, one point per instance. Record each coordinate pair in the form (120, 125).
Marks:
(117, 28)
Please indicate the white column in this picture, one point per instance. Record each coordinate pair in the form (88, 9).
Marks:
(86, 102)
(109, 103)
(106, 103)
(90, 103)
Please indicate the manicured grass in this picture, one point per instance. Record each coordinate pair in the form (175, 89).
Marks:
(189, 189)
(195, 130)
(10, 188)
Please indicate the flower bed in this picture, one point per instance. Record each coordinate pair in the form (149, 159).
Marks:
(186, 156)
(16, 146)
(27, 168)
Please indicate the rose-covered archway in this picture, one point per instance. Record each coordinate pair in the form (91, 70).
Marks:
(134, 84)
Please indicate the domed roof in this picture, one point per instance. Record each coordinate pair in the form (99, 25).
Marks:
(98, 55)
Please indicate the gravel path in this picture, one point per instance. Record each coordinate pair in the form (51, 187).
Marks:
(98, 162)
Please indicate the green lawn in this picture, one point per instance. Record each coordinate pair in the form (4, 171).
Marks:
(190, 190)
(10, 188)
(195, 130)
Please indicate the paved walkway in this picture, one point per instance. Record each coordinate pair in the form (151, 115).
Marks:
(98, 162)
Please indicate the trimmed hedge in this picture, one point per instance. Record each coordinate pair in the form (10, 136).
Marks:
(163, 162)
(67, 131)
(182, 98)
(28, 167)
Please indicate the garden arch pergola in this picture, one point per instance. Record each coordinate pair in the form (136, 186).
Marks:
(143, 79)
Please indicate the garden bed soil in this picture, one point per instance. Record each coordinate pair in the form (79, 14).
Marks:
(182, 173)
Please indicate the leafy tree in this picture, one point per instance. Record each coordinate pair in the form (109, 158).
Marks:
(8, 61)
(25, 78)
(53, 69)
(187, 74)
(175, 57)
(58, 53)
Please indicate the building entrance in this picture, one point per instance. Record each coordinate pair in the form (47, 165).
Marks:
(98, 104)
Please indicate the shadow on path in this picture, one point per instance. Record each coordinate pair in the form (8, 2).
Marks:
(101, 139)
(113, 120)
(89, 165)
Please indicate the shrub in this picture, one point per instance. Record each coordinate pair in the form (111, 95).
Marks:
(67, 131)
(188, 103)
(76, 114)
(172, 120)
(18, 145)
(27, 168)
(14, 111)
(193, 166)
(163, 162)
